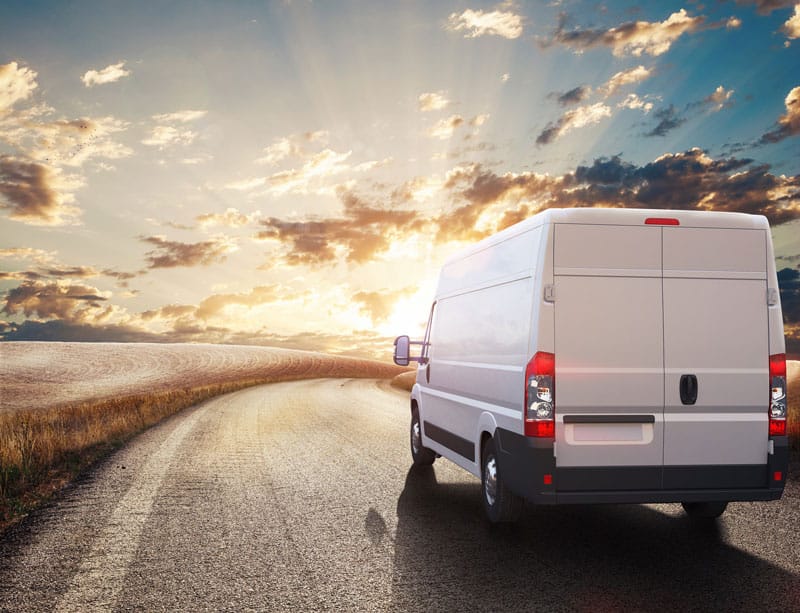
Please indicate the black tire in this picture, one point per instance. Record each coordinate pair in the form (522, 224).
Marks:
(422, 456)
(704, 510)
(499, 502)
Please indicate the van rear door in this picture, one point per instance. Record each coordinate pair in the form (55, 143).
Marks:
(609, 356)
(715, 357)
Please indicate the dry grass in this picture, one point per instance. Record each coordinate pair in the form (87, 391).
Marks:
(42, 448)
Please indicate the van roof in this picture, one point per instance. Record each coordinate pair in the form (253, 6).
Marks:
(620, 217)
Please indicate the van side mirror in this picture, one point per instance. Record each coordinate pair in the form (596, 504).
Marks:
(402, 348)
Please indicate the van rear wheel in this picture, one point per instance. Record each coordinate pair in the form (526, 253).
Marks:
(499, 502)
(422, 456)
(704, 510)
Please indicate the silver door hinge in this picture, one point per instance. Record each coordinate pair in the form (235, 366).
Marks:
(772, 296)
(554, 449)
(550, 293)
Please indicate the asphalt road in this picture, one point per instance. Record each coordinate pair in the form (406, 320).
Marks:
(299, 496)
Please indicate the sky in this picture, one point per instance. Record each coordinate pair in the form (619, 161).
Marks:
(294, 173)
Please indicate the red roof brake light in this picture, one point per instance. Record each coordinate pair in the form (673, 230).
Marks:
(662, 221)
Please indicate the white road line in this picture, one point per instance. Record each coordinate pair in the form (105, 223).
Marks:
(99, 581)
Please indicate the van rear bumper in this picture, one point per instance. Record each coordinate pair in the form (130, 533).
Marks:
(529, 469)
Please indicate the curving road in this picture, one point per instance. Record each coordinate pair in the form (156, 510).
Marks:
(298, 496)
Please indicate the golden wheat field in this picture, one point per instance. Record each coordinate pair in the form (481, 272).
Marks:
(37, 375)
(64, 405)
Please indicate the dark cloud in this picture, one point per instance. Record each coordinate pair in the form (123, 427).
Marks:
(171, 254)
(765, 7)
(690, 180)
(362, 232)
(574, 96)
(29, 191)
(789, 284)
(54, 299)
(668, 119)
(67, 331)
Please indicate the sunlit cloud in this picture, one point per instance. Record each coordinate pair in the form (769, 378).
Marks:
(633, 101)
(166, 134)
(476, 23)
(379, 305)
(572, 119)
(625, 77)
(180, 116)
(631, 38)
(231, 218)
(294, 146)
(172, 254)
(362, 232)
(37, 194)
(792, 26)
(16, 83)
(109, 74)
(432, 101)
(788, 124)
(719, 98)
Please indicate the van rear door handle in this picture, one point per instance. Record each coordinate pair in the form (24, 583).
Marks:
(688, 389)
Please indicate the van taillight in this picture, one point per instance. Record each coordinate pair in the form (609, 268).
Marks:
(777, 394)
(540, 395)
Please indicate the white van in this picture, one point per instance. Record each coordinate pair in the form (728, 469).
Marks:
(608, 355)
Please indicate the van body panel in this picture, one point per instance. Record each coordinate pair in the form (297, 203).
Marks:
(608, 345)
(716, 330)
(661, 335)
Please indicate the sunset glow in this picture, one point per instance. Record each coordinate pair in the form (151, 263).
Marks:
(294, 173)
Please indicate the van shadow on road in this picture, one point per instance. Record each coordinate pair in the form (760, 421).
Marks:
(582, 558)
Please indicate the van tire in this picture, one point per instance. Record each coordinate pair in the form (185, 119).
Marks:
(422, 456)
(499, 502)
(704, 510)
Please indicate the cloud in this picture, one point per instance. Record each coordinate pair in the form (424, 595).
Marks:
(789, 123)
(172, 254)
(56, 299)
(231, 218)
(432, 101)
(631, 38)
(719, 99)
(324, 164)
(575, 118)
(37, 194)
(180, 116)
(574, 96)
(295, 145)
(109, 74)
(16, 83)
(668, 119)
(362, 232)
(444, 128)
(62, 142)
(625, 77)
(166, 134)
(632, 101)
(379, 305)
(690, 180)
(792, 26)
(480, 23)
(765, 7)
